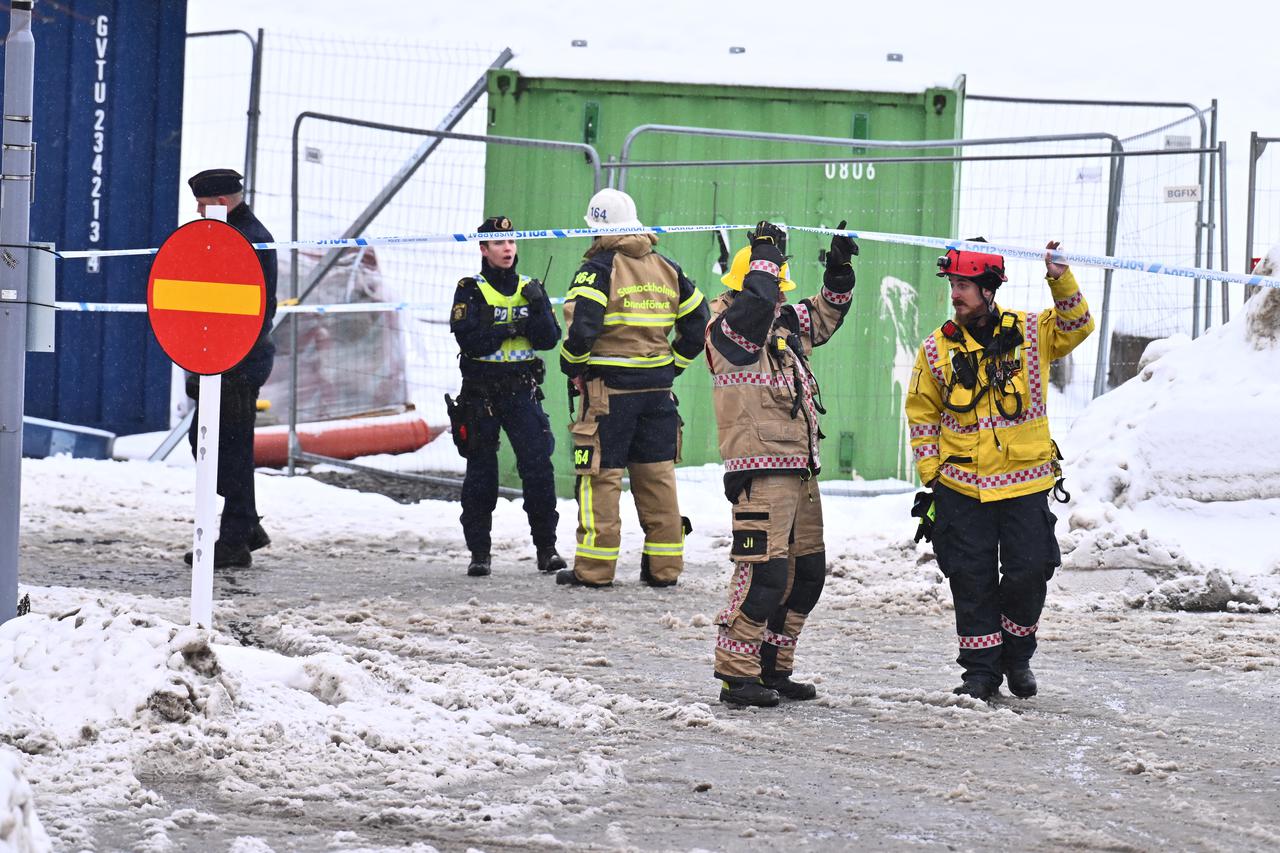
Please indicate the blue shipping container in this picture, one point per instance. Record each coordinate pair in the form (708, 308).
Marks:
(108, 132)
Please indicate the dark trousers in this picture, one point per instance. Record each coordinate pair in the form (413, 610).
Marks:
(998, 557)
(640, 426)
(235, 455)
(520, 414)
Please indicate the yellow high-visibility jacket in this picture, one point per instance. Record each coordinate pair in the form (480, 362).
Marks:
(982, 452)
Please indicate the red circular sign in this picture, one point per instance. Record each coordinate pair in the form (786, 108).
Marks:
(206, 297)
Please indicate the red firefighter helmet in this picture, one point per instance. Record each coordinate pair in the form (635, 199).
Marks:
(976, 265)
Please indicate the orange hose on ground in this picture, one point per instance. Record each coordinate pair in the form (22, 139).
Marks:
(345, 439)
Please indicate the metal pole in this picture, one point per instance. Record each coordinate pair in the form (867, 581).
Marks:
(1222, 232)
(293, 445)
(1213, 217)
(1254, 153)
(881, 144)
(255, 112)
(251, 128)
(1114, 194)
(1195, 291)
(15, 230)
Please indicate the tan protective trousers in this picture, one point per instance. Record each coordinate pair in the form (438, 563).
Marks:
(653, 487)
(777, 526)
(599, 488)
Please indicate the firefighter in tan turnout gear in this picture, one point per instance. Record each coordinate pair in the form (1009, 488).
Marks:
(621, 308)
(767, 405)
(980, 434)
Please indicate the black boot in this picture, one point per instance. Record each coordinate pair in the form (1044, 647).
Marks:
(225, 556)
(550, 561)
(479, 566)
(788, 689)
(781, 681)
(1022, 681)
(647, 577)
(747, 693)
(258, 537)
(568, 577)
(979, 690)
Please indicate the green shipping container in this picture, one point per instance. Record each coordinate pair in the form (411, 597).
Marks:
(864, 371)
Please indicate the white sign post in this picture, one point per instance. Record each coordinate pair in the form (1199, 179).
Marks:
(207, 432)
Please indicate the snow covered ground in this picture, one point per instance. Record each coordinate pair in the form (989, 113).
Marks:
(361, 693)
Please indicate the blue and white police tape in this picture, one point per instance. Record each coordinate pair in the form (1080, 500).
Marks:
(1081, 259)
(341, 308)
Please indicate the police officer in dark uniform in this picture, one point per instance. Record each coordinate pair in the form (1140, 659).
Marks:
(500, 318)
(241, 529)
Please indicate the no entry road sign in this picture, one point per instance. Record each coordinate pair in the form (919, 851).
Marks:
(206, 297)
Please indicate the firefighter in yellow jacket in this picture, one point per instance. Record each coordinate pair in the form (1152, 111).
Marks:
(767, 405)
(976, 408)
(620, 311)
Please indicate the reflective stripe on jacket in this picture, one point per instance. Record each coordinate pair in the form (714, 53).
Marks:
(622, 306)
(984, 453)
(763, 426)
(505, 312)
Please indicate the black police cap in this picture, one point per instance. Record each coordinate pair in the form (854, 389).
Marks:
(215, 182)
(495, 223)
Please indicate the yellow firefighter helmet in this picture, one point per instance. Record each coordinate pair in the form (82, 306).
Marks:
(742, 265)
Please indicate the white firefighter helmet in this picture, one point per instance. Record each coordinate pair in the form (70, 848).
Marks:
(611, 208)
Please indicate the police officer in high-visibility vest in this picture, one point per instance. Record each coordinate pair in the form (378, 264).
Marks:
(976, 407)
(624, 304)
(500, 318)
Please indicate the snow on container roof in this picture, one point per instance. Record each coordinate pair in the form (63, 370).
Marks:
(869, 70)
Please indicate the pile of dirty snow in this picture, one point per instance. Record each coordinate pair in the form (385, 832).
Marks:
(100, 694)
(20, 829)
(1176, 470)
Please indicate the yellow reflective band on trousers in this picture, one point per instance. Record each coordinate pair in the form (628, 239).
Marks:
(587, 518)
(664, 549)
(514, 349)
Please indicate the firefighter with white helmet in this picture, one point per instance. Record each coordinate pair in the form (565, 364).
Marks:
(623, 305)
(976, 408)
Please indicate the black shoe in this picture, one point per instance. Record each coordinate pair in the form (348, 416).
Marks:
(479, 566)
(568, 577)
(647, 577)
(550, 561)
(748, 693)
(258, 537)
(789, 689)
(1022, 682)
(225, 556)
(980, 690)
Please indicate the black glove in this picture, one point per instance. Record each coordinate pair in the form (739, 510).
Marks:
(768, 243)
(923, 510)
(839, 276)
(534, 291)
(517, 327)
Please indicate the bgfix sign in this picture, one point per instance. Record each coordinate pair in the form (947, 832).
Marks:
(1188, 192)
(206, 297)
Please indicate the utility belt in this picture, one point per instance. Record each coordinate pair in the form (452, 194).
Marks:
(528, 376)
(479, 396)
